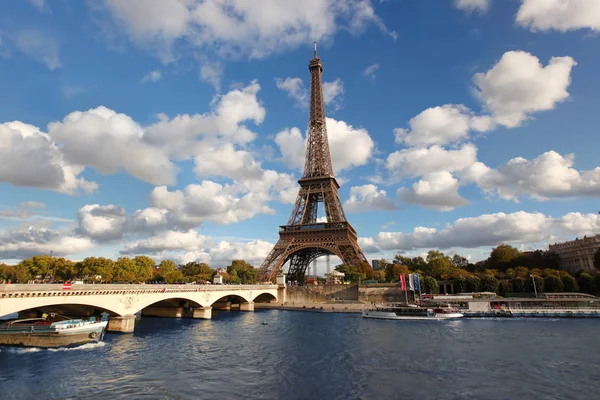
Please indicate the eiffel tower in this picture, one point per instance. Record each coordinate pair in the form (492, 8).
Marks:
(304, 239)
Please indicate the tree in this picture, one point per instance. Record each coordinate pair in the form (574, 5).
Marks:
(124, 270)
(488, 283)
(144, 266)
(168, 272)
(438, 264)
(518, 285)
(417, 264)
(95, 269)
(473, 284)
(393, 271)
(502, 255)
(461, 284)
(246, 273)
(597, 259)
(539, 284)
(459, 261)
(430, 285)
(553, 284)
(586, 283)
(569, 283)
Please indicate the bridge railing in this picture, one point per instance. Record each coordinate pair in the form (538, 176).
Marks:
(11, 288)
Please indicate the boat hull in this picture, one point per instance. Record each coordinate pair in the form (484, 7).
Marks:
(53, 339)
(394, 316)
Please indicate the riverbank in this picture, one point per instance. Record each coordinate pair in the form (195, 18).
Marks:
(314, 307)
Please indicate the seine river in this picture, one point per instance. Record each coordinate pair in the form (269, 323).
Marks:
(301, 355)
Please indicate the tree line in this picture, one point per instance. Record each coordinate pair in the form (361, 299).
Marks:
(139, 269)
(505, 271)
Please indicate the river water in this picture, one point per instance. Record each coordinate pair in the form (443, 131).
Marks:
(302, 355)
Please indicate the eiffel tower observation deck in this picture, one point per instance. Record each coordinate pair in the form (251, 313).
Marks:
(304, 239)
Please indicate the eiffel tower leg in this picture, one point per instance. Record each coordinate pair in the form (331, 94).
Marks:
(299, 262)
(273, 264)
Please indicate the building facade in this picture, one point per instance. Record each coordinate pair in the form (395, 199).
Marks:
(578, 254)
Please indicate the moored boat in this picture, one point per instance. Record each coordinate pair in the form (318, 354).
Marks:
(51, 331)
(399, 312)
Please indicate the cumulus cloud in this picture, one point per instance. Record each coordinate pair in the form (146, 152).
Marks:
(101, 223)
(368, 198)
(27, 241)
(190, 246)
(185, 136)
(436, 191)
(108, 141)
(417, 161)
(469, 6)
(236, 28)
(549, 175)
(442, 125)
(560, 15)
(488, 230)
(519, 85)
(350, 147)
(333, 92)
(30, 158)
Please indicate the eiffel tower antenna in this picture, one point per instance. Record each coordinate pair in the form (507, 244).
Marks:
(303, 239)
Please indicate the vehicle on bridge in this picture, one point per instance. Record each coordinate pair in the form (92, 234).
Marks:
(51, 331)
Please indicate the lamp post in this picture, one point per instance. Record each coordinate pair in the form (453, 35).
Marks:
(54, 271)
(534, 288)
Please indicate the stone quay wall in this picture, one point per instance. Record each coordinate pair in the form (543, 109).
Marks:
(316, 294)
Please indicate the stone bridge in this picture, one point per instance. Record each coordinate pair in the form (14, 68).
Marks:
(121, 302)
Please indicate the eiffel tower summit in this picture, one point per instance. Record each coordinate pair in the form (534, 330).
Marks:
(304, 239)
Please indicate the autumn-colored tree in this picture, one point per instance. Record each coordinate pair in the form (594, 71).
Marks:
(502, 256)
(168, 272)
(125, 270)
(246, 273)
(144, 266)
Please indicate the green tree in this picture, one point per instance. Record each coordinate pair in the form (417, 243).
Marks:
(553, 284)
(473, 284)
(417, 264)
(168, 272)
(246, 273)
(518, 284)
(586, 283)
(502, 256)
(569, 283)
(144, 266)
(95, 269)
(125, 270)
(461, 284)
(459, 261)
(430, 285)
(438, 264)
(488, 283)
(393, 271)
(539, 284)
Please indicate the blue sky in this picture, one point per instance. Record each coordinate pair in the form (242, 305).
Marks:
(176, 129)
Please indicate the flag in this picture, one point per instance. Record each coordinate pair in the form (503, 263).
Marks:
(402, 281)
(417, 283)
(411, 282)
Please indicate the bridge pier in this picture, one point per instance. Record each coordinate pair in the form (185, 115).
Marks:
(166, 312)
(247, 306)
(124, 323)
(202, 313)
(223, 306)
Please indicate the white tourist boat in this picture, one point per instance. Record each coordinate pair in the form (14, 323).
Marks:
(411, 312)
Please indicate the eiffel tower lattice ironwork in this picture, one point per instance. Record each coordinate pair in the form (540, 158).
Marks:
(304, 239)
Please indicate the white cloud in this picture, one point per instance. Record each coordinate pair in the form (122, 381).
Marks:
(28, 241)
(185, 136)
(371, 70)
(152, 76)
(168, 241)
(436, 191)
(101, 223)
(416, 161)
(226, 161)
(108, 141)
(368, 198)
(212, 72)
(442, 125)
(469, 6)
(41, 46)
(350, 147)
(20, 144)
(333, 92)
(561, 15)
(519, 85)
(295, 89)
(549, 175)
(489, 230)
(32, 204)
(237, 28)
